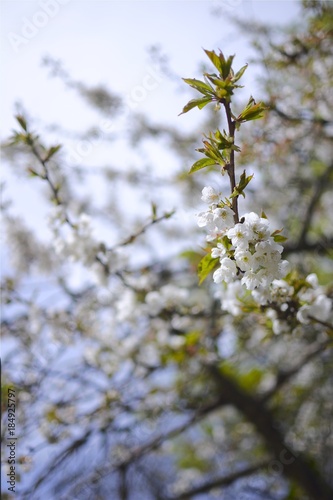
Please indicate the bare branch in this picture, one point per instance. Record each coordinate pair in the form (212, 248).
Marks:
(284, 376)
(321, 185)
(301, 469)
(221, 481)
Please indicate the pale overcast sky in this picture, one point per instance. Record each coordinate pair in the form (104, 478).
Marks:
(106, 41)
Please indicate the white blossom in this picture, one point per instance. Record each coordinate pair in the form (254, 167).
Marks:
(205, 219)
(167, 297)
(155, 302)
(219, 251)
(226, 272)
(239, 235)
(253, 251)
(209, 195)
(126, 306)
(251, 280)
(231, 297)
(320, 309)
(245, 260)
(223, 218)
(258, 227)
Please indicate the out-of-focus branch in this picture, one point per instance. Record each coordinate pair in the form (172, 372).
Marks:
(284, 376)
(123, 490)
(71, 448)
(327, 325)
(321, 185)
(321, 246)
(300, 469)
(143, 229)
(221, 481)
(300, 118)
(136, 453)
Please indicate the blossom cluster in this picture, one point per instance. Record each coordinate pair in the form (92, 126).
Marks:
(306, 304)
(314, 302)
(245, 249)
(250, 264)
(76, 243)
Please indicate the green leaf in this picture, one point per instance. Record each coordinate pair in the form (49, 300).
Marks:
(240, 73)
(215, 60)
(192, 257)
(221, 64)
(206, 266)
(16, 139)
(224, 141)
(153, 210)
(200, 103)
(223, 87)
(277, 231)
(226, 65)
(32, 173)
(22, 122)
(52, 151)
(252, 111)
(29, 139)
(243, 182)
(250, 380)
(204, 162)
(202, 87)
(278, 238)
(168, 215)
(192, 337)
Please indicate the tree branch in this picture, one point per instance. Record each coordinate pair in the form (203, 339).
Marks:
(284, 376)
(138, 452)
(301, 469)
(321, 185)
(300, 118)
(231, 166)
(321, 246)
(221, 481)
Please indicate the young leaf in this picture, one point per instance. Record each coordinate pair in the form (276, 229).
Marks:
(223, 87)
(240, 73)
(153, 210)
(192, 257)
(202, 87)
(22, 122)
(52, 151)
(206, 266)
(16, 139)
(215, 60)
(226, 65)
(277, 231)
(252, 111)
(200, 103)
(278, 238)
(204, 162)
(243, 182)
